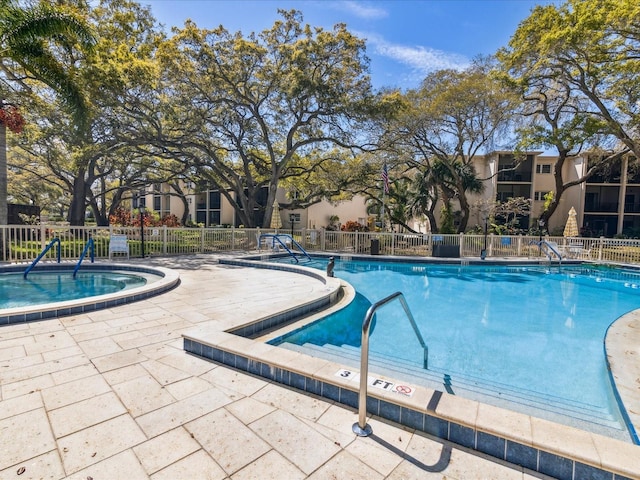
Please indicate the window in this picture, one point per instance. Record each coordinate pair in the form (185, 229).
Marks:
(539, 196)
(543, 168)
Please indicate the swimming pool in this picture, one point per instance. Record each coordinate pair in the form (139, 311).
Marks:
(47, 287)
(51, 291)
(529, 335)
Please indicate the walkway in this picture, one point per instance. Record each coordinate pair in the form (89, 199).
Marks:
(112, 395)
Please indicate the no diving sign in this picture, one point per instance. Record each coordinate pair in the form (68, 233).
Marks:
(380, 383)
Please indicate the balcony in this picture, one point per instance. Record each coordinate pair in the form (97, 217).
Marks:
(514, 177)
(601, 207)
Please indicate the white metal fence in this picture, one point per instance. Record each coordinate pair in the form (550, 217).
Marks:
(20, 243)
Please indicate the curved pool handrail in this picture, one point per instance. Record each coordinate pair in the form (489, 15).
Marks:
(277, 237)
(42, 254)
(550, 246)
(83, 254)
(361, 428)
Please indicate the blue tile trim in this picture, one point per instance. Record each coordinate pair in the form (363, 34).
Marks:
(462, 435)
(522, 455)
(349, 398)
(390, 411)
(555, 466)
(412, 418)
(528, 457)
(330, 391)
(592, 473)
(436, 426)
(620, 477)
(491, 445)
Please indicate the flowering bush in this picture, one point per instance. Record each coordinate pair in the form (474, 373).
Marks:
(352, 226)
(126, 218)
(11, 118)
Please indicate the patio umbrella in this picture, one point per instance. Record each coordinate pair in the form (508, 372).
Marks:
(276, 221)
(571, 228)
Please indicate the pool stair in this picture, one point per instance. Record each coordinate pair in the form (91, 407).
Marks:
(547, 406)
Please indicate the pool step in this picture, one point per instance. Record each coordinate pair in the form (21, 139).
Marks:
(545, 406)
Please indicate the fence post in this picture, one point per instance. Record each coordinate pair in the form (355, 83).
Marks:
(202, 239)
(600, 247)
(43, 240)
(164, 239)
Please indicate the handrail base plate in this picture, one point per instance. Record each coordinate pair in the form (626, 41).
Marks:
(362, 432)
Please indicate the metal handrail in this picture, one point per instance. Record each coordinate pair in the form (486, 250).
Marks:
(84, 253)
(42, 254)
(361, 428)
(550, 248)
(278, 237)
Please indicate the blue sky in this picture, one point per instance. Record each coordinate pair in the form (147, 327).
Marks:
(406, 39)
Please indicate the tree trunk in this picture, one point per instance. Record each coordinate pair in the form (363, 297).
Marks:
(78, 201)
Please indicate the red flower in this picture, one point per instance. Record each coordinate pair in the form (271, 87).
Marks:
(11, 118)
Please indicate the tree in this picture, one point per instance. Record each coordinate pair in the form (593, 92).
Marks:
(575, 67)
(247, 112)
(100, 166)
(29, 35)
(591, 48)
(508, 212)
(450, 120)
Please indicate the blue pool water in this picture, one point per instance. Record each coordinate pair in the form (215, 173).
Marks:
(46, 287)
(529, 329)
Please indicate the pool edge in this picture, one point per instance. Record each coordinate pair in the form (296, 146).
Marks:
(169, 279)
(543, 446)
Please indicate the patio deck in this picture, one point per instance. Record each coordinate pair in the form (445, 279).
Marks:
(111, 394)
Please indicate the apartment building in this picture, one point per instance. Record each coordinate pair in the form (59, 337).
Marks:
(607, 204)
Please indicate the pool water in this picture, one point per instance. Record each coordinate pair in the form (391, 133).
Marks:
(531, 329)
(47, 287)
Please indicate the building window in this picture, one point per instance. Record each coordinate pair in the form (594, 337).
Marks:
(543, 168)
(539, 196)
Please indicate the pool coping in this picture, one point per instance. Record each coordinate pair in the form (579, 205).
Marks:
(540, 445)
(169, 279)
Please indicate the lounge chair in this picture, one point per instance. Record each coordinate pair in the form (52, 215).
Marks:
(118, 244)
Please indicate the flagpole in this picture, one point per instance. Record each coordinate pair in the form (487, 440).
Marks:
(382, 222)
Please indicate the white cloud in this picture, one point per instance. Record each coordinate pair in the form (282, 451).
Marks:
(362, 10)
(422, 60)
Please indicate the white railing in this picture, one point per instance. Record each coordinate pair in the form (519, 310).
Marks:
(23, 243)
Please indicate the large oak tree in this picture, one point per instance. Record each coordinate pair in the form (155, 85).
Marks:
(247, 112)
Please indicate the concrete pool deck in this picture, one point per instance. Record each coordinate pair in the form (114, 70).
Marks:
(111, 394)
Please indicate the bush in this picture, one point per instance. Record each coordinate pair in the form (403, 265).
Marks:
(352, 226)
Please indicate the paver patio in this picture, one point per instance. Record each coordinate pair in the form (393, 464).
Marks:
(111, 394)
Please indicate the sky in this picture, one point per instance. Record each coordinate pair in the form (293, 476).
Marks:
(406, 39)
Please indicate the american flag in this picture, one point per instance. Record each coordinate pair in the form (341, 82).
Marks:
(385, 178)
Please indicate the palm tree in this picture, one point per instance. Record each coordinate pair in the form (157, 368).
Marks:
(28, 33)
